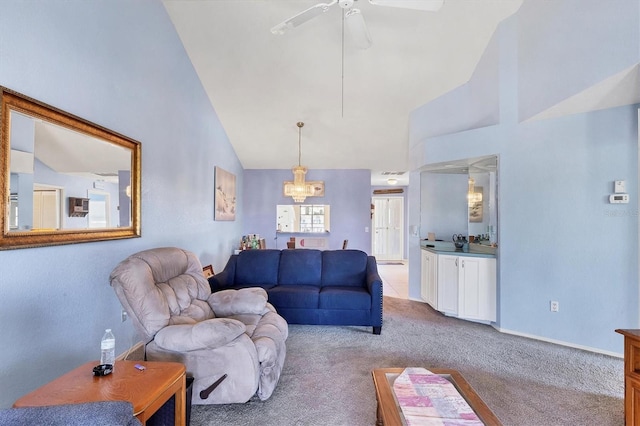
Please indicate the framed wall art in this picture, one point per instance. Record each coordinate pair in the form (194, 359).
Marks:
(208, 271)
(225, 195)
(475, 206)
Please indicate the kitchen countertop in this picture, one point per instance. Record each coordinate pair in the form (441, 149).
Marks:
(472, 250)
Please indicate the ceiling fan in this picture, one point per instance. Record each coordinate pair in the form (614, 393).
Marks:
(353, 18)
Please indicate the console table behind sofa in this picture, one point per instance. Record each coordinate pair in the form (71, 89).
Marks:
(330, 287)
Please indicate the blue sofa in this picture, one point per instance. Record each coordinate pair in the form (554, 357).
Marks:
(331, 287)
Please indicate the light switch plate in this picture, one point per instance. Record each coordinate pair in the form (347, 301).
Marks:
(619, 187)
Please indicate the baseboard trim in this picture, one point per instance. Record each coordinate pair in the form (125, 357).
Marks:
(135, 353)
(534, 337)
(558, 342)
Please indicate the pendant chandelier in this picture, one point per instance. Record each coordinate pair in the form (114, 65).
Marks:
(299, 190)
(472, 196)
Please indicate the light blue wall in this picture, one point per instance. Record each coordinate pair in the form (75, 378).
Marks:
(121, 65)
(559, 237)
(585, 41)
(346, 191)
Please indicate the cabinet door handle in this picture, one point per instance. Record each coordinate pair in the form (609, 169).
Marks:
(463, 263)
(456, 262)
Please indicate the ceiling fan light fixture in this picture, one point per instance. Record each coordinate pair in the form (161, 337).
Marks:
(357, 28)
(425, 5)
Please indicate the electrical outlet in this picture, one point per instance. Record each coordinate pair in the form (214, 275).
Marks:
(555, 306)
(124, 315)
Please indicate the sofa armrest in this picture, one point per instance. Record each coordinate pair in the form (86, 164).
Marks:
(374, 282)
(226, 278)
(219, 281)
(374, 285)
(212, 333)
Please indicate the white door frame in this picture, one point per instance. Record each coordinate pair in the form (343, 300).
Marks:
(59, 196)
(386, 256)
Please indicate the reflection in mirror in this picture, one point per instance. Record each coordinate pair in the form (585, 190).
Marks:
(311, 218)
(481, 194)
(66, 180)
(482, 210)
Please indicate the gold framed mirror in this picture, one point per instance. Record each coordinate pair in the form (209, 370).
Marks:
(64, 179)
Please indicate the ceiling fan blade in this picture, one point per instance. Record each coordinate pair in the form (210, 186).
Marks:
(302, 17)
(354, 21)
(426, 5)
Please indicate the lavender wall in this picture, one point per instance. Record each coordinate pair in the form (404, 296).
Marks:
(346, 191)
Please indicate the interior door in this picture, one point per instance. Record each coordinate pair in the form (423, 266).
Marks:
(46, 208)
(388, 223)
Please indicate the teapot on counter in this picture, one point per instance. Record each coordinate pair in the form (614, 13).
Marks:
(459, 240)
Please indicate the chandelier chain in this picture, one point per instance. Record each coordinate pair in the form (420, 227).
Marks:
(300, 124)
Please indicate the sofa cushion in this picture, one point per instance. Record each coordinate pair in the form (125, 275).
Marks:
(344, 268)
(300, 267)
(345, 297)
(257, 267)
(294, 296)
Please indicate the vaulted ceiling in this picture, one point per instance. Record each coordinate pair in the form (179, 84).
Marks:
(355, 103)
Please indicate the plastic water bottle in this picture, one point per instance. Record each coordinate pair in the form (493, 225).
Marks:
(108, 348)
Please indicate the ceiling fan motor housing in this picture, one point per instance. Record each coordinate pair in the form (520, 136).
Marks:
(345, 4)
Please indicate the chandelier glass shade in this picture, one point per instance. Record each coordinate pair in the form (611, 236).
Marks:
(472, 196)
(299, 190)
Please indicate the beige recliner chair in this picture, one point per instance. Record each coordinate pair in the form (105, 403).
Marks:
(232, 332)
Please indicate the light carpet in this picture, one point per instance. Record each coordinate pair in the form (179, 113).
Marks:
(326, 379)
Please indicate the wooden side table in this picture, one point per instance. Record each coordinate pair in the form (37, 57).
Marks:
(631, 376)
(146, 390)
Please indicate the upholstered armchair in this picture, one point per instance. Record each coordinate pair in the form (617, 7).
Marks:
(232, 333)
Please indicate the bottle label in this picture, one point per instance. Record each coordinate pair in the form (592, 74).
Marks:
(108, 344)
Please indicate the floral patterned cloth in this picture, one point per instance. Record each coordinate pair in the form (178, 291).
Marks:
(427, 399)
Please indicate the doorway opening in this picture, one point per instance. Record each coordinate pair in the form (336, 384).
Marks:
(99, 205)
(47, 207)
(387, 222)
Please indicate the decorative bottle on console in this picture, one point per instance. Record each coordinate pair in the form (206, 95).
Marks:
(108, 348)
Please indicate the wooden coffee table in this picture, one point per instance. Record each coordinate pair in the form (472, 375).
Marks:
(146, 390)
(390, 414)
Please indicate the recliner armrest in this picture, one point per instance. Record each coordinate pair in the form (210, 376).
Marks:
(212, 333)
(251, 300)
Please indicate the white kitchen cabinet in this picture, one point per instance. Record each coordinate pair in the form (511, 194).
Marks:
(461, 286)
(477, 288)
(448, 284)
(428, 283)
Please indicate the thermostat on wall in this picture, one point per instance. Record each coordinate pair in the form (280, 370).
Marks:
(619, 198)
